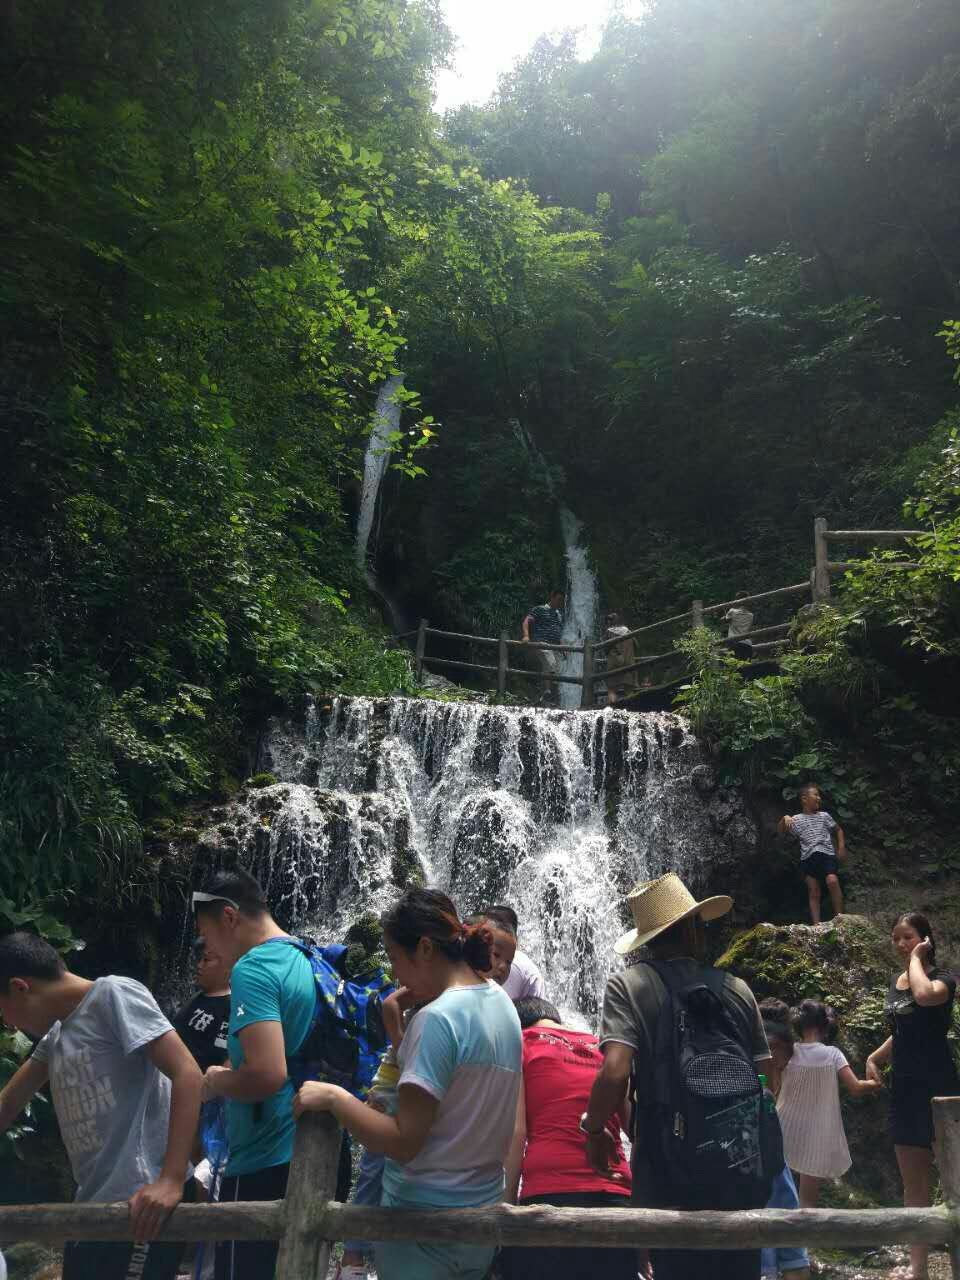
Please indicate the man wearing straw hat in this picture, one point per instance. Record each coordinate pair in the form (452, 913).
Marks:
(669, 921)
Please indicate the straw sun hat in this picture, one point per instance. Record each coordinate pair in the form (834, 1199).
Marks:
(658, 904)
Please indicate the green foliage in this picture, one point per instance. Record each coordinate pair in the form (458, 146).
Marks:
(14, 1050)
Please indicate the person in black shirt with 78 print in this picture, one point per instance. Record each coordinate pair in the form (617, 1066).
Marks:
(203, 1021)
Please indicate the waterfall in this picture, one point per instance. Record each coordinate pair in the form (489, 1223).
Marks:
(386, 420)
(556, 812)
(582, 613)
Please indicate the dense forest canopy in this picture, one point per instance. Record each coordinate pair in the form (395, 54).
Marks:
(705, 268)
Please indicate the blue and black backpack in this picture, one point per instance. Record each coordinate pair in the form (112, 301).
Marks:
(347, 1038)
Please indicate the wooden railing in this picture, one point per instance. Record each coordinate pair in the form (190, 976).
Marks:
(771, 638)
(310, 1219)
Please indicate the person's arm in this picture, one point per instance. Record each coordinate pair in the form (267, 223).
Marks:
(525, 631)
(27, 1080)
(394, 1007)
(856, 1088)
(514, 1161)
(785, 824)
(878, 1058)
(401, 1137)
(839, 841)
(606, 1098)
(926, 992)
(151, 1205)
(262, 1073)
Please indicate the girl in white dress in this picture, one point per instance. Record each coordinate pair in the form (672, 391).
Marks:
(814, 1142)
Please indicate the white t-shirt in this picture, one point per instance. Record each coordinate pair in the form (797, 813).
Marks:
(524, 980)
(112, 1104)
(465, 1050)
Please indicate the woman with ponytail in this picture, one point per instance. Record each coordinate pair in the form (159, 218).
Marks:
(460, 1075)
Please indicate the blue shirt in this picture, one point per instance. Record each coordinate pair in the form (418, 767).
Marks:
(271, 983)
(465, 1050)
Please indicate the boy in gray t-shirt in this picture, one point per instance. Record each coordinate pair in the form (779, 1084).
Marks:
(126, 1092)
(822, 849)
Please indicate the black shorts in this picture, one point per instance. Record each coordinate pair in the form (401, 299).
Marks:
(251, 1259)
(911, 1115)
(122, 1260)
(820, 865)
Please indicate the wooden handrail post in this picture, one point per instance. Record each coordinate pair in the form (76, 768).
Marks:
(821, 570)
(946, 1124)
(586, 697)
(421, 648)
(697, 612)
(313, 1181)
(502, 663)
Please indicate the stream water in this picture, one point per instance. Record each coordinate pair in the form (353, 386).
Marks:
(557, 812)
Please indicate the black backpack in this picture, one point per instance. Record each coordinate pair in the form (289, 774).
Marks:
(704, 1126)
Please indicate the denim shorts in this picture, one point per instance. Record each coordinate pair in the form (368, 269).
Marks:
(403, 1260)
(783, 1195)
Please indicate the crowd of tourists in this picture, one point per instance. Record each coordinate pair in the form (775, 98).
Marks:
(460, 1084)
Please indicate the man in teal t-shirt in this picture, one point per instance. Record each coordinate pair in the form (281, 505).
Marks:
(272, 1002)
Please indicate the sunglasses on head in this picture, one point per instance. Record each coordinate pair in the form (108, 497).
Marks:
(199, 897)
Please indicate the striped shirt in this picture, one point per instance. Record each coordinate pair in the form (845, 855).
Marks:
(546, 625)
(813, 830)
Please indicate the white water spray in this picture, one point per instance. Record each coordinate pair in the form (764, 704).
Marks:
(582, 614)
(557, 812)
(386, 420)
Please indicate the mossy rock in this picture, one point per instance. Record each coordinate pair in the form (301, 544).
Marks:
(847, 963)
(262, 780)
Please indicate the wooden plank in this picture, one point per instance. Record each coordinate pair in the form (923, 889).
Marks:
(539, 644)
(821, 574)
(501, 1223)
(946, 1125)
(305, 1255)
(535, 675)
(841, 566)
(603, 645)
(453, 664)
(796, 589)
(780, 629)
(55, 1223)
(640, 1228)
(459, 635)
(420, 649)
(874, 535)
(586, 698)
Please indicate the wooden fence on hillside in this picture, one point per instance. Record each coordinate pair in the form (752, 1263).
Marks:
(765, 641)
(310, 1219)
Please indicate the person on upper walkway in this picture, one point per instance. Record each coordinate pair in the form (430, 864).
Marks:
(524, 981)
(272, 1003)
(547, 1162)
(544, 625)
(125, 1090)
(670, 922)
(620, 655)
(822, 848)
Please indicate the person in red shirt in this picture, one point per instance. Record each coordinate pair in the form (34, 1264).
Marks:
(547, 1163)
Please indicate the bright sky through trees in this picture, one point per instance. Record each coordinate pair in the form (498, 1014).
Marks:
(493, 34)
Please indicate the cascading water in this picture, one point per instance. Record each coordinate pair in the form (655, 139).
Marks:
(557, 812)
(582, 613)
(386, 420)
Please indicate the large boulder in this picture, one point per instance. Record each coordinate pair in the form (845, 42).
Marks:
(848, 963)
